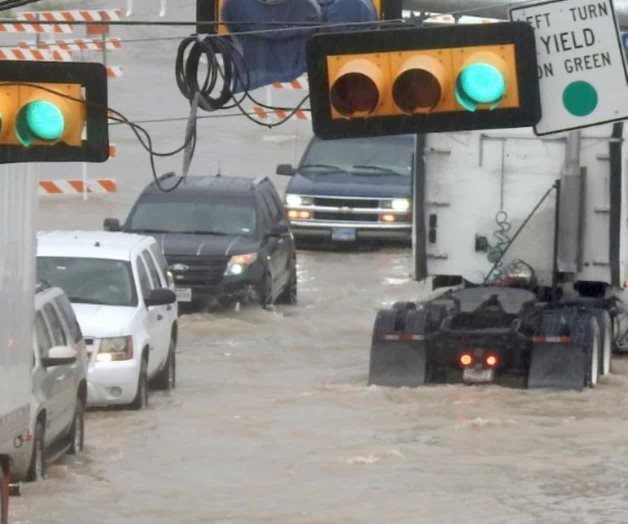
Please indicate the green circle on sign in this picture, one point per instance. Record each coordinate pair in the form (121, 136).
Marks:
(580, 98)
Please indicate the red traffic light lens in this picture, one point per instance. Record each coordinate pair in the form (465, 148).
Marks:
(416, 89)
(354, 93)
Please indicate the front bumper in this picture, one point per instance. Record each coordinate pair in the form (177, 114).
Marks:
(111, 383)
(323, 230)
(232, 288)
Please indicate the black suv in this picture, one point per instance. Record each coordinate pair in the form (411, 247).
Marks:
(225, 238)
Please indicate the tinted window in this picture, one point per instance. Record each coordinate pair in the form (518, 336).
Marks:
(222, 217)
(44, 343)
(56, 328)
(90, 280)
(264, 213)
(271, 206)
(152, 269)
(159, 257)
(390, 152)
(65, 308)
(144, 280)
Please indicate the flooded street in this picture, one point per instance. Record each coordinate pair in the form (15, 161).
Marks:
(271, 420)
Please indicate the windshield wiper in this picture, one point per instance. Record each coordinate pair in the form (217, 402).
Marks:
(199, 232)
(141, 230)
(83, 300)
(380, 169)
(323, 166)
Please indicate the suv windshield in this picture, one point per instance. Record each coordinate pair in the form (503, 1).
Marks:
(90, 280)
(370, 156)
(224, 217)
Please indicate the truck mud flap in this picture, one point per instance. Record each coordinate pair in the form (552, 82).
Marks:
(559, 366)
(398, 352)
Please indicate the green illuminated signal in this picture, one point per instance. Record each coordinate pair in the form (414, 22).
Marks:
(479, 83)
(39, 120)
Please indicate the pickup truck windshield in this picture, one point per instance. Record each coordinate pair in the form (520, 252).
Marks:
(372, 156)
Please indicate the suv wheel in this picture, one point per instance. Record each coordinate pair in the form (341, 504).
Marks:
(141, 397)
(289, 294)
(166, 378)
(77, 433)
(265, 291)
(37, 469)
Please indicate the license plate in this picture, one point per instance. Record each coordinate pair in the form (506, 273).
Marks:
(344, 234)
(477, 376)
(184, 294)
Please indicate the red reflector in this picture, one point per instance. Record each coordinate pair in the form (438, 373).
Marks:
(466, 359)
(354, 93)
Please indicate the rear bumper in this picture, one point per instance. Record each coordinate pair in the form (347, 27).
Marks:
(319, 230)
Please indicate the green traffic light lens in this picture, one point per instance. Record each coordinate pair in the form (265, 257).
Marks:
(39, 120)
(479, 84)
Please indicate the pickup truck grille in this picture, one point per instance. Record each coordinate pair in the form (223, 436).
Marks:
(345, 217)
(346, 202)
(203, 271)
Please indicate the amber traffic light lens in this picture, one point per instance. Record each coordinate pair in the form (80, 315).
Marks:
(416, 89)
(354, 93)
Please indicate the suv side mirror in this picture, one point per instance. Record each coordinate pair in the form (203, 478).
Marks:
(59, 356)
(277, 230)
(112, 224)
(160, 297)
(285, 169)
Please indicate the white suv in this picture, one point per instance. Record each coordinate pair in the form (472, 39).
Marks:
(59, 384)
(124, 301)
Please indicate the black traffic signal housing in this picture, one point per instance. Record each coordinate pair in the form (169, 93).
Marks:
(53, 112)
(416, 80)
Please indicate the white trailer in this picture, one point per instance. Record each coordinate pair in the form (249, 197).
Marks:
(17, 280)
(524, 239)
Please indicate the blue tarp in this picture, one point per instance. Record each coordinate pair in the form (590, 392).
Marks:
(279, 56)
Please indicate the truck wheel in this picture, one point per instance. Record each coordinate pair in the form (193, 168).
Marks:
(593, 352)
(265, 291)
(141, 397)
(37, 469)
(77, 433)
(166, 378)
(4, 498)
(606, 341)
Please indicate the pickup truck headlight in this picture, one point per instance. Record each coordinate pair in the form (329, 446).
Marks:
(298, 200)
(115, 348)
(239, 263)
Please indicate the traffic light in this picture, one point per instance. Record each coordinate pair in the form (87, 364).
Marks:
(418, 80)
(53, 112)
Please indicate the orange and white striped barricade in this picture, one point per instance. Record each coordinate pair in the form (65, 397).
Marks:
(74, 44)
(280, 114)
(77, 187)
(17, 53)
(30, 28)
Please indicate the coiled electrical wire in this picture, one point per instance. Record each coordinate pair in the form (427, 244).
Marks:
(219, 77)
(497, 251)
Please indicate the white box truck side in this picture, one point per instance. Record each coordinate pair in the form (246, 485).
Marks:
(17, 279)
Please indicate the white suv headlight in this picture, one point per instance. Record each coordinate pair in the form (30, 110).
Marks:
(115, 348)
(239, 263)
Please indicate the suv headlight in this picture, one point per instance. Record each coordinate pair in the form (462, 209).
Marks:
(298, 201)
(239, 263)
(115, 348)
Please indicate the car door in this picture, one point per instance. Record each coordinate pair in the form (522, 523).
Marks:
(166, 312)
(281, 246)
(58, 380)
(153, 319)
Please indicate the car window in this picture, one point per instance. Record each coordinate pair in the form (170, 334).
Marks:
(152, 269)
(56, 328)
(65, 308)
(264, 214)
(277, 200)
(90, 280)
(145, 284)
(44, 343)
(273, 211)
(159, 257)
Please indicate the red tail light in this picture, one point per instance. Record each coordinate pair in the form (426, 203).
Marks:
(466, 360)
(491, 360)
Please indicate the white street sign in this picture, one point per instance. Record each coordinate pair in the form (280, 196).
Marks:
(582, 74)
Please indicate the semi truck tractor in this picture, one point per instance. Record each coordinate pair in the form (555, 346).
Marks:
(523, 242)
(17, 280)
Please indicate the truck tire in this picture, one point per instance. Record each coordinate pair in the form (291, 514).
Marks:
(37, 468)
(167, 377)
(592, 345)
(606, 341)
(398, 363)
(141, 397)
(77, 432)
(4, 498)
